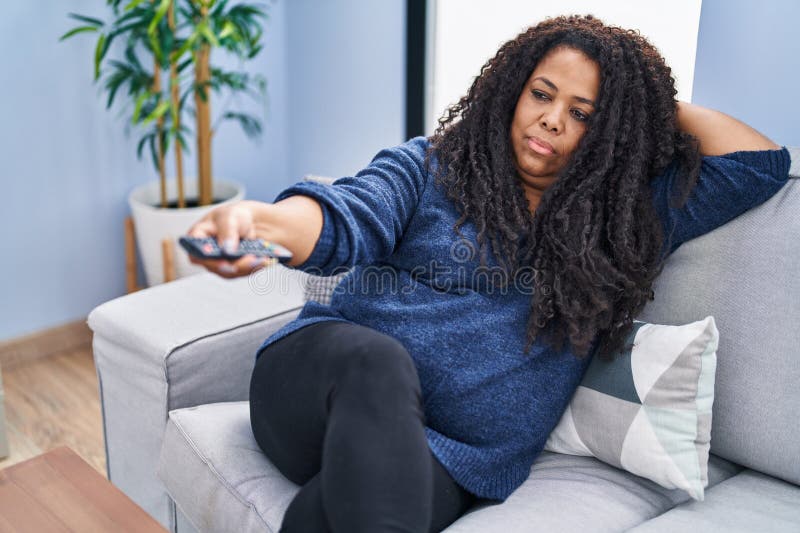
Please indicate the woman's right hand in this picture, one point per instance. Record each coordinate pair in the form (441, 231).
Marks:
(229, 223)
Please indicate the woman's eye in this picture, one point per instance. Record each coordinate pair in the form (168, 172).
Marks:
(539, 95)
(580, 115)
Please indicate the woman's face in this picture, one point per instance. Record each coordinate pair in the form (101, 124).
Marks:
(551, 114)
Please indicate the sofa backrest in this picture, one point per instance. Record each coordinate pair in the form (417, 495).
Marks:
(746, 274)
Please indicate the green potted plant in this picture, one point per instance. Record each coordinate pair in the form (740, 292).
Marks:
(164, 70)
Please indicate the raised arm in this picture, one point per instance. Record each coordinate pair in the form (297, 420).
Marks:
(719, 133)
(740, 169)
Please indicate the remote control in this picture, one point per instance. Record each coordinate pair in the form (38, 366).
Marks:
(207, 248)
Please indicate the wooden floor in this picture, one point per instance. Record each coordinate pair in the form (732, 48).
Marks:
(54, 401)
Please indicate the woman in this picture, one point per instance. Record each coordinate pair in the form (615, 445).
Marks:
(489, 263)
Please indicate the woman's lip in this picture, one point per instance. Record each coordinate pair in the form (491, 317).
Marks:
(540, 146)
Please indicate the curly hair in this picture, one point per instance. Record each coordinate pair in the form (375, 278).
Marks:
(594, 242)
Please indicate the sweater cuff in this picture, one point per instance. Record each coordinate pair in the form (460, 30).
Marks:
(325, 246)
(794, 165)
(773, 162)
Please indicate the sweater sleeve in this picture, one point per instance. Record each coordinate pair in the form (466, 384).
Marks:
(728, 186)
(364, 216)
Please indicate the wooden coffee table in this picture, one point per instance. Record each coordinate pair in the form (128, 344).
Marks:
(58, 491)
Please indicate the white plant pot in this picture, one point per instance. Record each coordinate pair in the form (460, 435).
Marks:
(152, 223)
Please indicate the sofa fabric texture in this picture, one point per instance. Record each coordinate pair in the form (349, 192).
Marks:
(748, 501)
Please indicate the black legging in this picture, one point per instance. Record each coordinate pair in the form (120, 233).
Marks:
(337, 409)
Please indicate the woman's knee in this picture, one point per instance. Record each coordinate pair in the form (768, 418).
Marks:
(377, 358)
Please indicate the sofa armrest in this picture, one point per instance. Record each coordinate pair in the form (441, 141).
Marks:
(189, 342)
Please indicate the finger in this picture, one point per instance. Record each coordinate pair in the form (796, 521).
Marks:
(245, 265)
(210, 264)
(251, 233)
(226, 270)
(232, 269)
(259, 262)
(228, 233)
(202, 229)
(221, 268)
(214, 266)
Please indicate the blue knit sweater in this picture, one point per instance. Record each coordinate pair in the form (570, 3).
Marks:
(489, 407)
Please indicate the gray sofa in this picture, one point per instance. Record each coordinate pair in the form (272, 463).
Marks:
(174, 363)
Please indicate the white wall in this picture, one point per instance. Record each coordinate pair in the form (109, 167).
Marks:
(467, 33)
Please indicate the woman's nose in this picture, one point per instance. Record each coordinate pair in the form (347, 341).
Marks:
(551, 121)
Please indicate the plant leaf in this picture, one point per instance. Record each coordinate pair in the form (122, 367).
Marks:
(125, 27)
(182, 139)
(205, 30)
(228, 29)
(132, 4)
(121, 74)
(137, 108)
(99, 51)
(187, 44)
(254, 51)
(156, 48)
(158, 112)
(161, 10)
(184, 64)
(89, 20)
(218, 9)
(104, 50)
(250, 125)
(141, 144)
(128, 16)
(133, 59)
(185, 95)
(75, 31)
(153, 152)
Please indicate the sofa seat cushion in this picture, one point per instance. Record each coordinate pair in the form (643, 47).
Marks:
(568, 493)
(748, 501)
(212, 467)
(217, 475)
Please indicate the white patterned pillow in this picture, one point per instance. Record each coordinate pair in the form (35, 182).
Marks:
(649, 410)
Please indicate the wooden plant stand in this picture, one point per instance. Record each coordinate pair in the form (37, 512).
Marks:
(167, 256)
